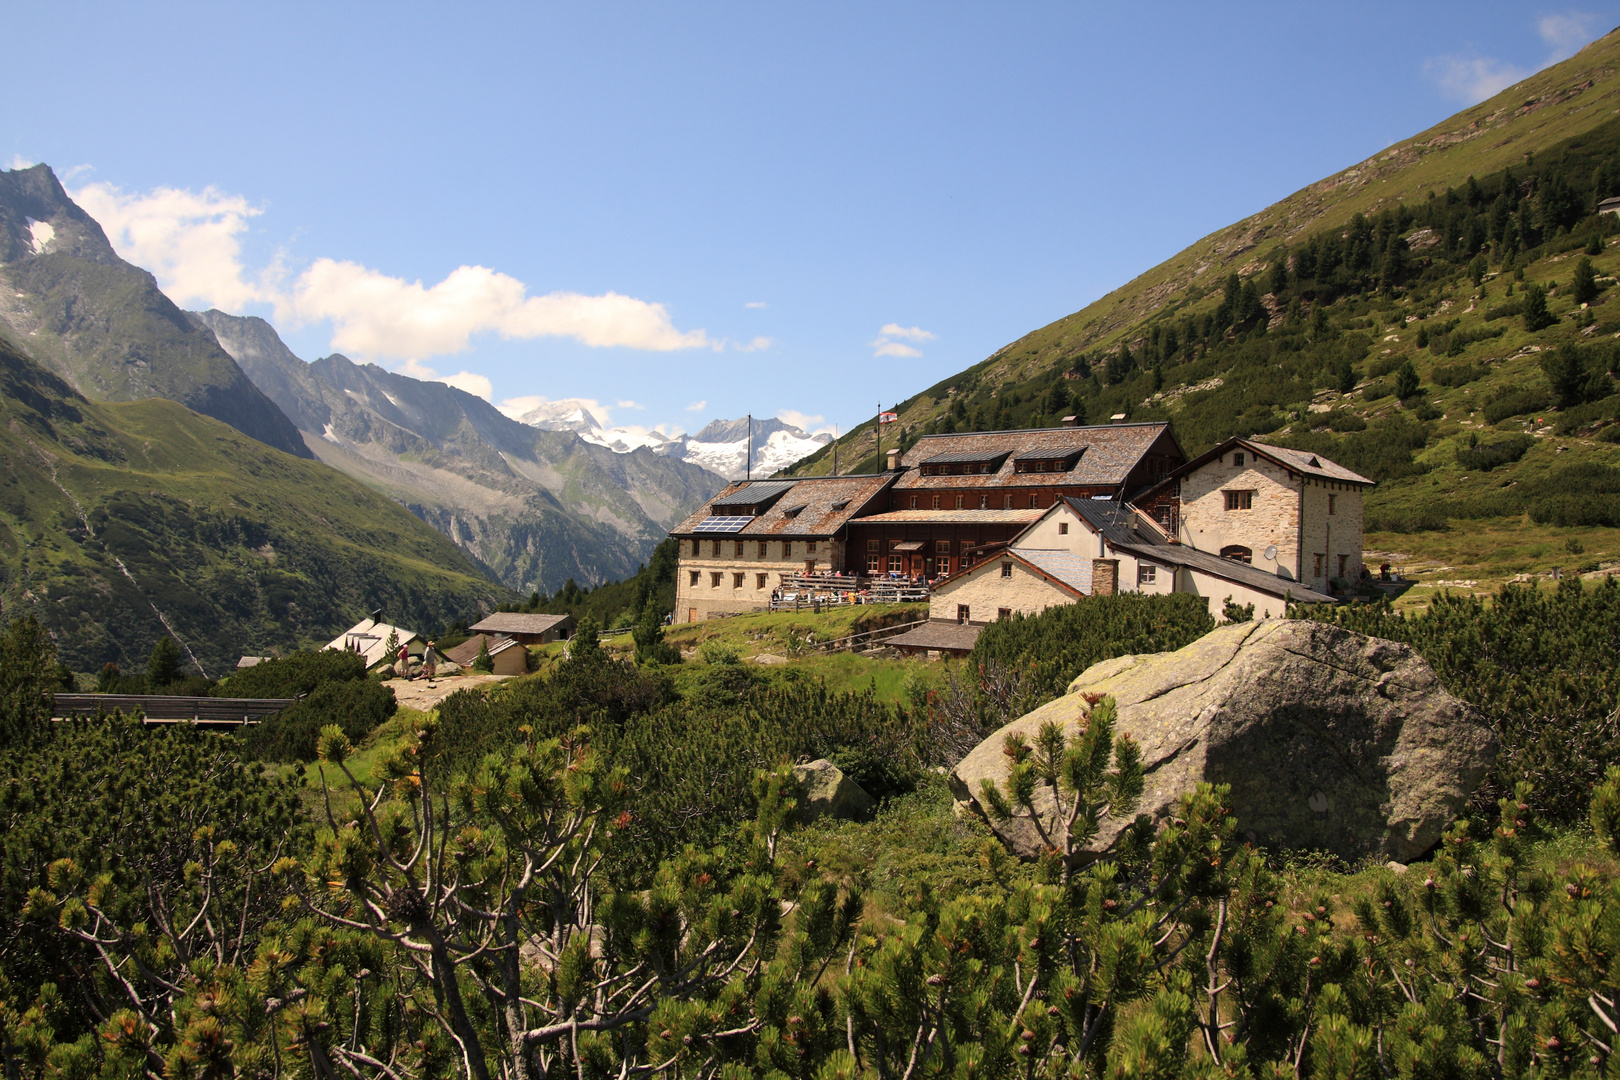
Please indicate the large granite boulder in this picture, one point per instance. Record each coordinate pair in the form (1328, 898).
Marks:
(1330, 739)
(824, 791)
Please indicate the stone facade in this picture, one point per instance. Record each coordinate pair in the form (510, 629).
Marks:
(1252, 506)
(733, 575)
(995, 589)
(1332, 533)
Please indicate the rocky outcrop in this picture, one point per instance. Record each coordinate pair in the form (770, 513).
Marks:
(824, 791)
(1329, 739)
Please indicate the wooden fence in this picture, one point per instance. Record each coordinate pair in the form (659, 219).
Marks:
(209, 712)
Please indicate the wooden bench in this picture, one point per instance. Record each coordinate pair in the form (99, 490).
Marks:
(212, 712)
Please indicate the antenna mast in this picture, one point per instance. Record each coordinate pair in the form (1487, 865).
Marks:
(749, 463)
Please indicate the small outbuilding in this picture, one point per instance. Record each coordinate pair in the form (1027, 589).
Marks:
(370, 638)
(525, 629)
(508, 655)
(937, 637)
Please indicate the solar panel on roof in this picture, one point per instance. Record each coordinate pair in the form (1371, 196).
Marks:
(755, 493)
(722, 525)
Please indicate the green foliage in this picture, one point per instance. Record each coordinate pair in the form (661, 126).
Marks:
(1536, 315)
(1514, 401)
(1540, 664)
(293, 675)
(355, 706)
(1483, 457)
(1458, 374)
(482, 662)
(1406, 381)
(1583, 284)
(27, 662)
(163, 667)
(1382, 451)
(651, 648)
(1051, 648)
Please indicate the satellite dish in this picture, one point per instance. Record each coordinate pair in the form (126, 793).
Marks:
(1271, 552)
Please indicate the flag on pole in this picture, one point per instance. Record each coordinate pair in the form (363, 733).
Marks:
(888, 417)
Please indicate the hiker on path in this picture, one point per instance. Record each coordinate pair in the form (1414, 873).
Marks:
(430, 661)
(402, 666)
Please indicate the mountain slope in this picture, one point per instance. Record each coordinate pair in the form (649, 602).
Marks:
(1554, 106)
(69, 302)
(120, 523)
(533, 507)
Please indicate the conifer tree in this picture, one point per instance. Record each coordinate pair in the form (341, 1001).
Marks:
(163, 667)
(651, 648)
(1536, 315)
(1583, 286)
(1406, 381)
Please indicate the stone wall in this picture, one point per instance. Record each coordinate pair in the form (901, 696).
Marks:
(1333, 527)
(1273, 516)
(700, 599)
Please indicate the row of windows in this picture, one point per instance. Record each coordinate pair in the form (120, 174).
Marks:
(716, 576)
(1008, 502)
(941, 547)
(1344, 564)
(1244, 500)
(964, 614)
(740, 548)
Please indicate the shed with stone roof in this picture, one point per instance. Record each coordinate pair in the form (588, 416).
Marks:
(526, 628)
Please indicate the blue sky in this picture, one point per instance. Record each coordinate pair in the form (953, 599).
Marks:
(683, 211)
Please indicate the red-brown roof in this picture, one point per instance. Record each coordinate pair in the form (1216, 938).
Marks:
(813, 507)
(1108, 454)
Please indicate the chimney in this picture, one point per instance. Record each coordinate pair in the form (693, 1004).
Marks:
(1071, 421)
(1117, 418)
(894, 460)
(1104, 577)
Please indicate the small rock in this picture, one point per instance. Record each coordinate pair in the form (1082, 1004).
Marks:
(1397, 867)
(826, 792)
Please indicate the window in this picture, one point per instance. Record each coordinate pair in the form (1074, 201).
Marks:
(787, 549)
(896, 564)
(697, 547)
(694, 578)
(874, 563)
(759, 581)
(736, 581)
(962, 613)
(959, 502)
(1034, 502)
(871, 545)
(984, 502)
(762, 549)
(1040, 466)
(1006, 569)
(739, 552)
(1237, 553)
(1003, 613)
(936, 502)
(1146, 575)
(1319, 560)
(914, 502)
(1332, 501)
(1237, 461)
(1343, 560)
(810, 548)
(1165, 512)
(942, 547)
(1007, 503)
(1063, 528)
(716, 544)
(1240, 500)
(714, 579)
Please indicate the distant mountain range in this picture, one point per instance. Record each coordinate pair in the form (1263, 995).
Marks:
(533, 507)
(721, 447)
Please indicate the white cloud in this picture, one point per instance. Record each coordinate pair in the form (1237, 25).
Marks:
(190, 240)
(192, 243)
(376, 315)
(19, 162)
(1470, 78)
(1567, 33)
(881, 347)
(757, 304)
(629, 405)
(910, 333)
(697, 406)
(471, 382)
(753, 346)
(813, 424)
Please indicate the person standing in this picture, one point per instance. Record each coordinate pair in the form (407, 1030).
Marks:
(402, 666)
(430, 661)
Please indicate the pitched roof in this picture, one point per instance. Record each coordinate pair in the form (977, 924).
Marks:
(938, 634)
(465, 653)
(1238, 573)
(1302, 462)
(812, 507)
(370, 640)
(1110, 452)
(1069, 567)
(1116, 522)
(512, 622)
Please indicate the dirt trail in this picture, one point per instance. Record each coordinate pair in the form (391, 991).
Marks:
(424, 695)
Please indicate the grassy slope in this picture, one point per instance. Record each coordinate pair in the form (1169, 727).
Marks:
(1547, 109)
(239, 547)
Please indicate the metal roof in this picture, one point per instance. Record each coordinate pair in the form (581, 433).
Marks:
(755, 492)
(965, 457)
(951, 517)
(1046, 453)
(1228, 570)
(1111, 452)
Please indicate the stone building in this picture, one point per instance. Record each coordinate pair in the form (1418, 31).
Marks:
(754, 534)
(1290, 513)
(526, 629)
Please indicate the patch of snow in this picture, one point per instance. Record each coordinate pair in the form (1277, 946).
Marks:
(330, 436)
(393, 399)
(42, 233)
